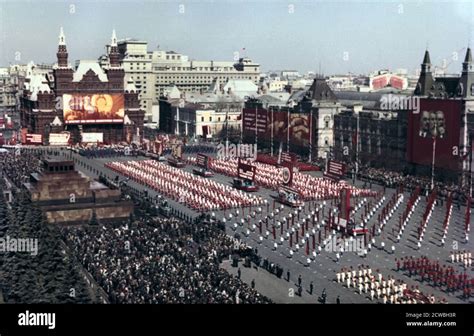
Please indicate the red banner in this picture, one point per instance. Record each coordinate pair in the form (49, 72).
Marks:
(202, 160)
(246, 171)
(288, 157)
(34, 139)
(274, 124)
(335, 170)
(436, 118)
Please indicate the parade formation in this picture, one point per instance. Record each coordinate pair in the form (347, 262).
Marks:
(196, 192)
(271, 177)
(393, 219)
(361, 243)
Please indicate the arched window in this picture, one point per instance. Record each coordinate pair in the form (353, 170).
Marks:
(327, 119)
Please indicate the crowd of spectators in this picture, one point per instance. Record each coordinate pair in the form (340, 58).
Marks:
(17, 165)
(158, 260)
(393, 179)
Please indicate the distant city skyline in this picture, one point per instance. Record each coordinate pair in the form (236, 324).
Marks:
(341, 37)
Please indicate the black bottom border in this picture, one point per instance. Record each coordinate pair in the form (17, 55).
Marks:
(138, 319)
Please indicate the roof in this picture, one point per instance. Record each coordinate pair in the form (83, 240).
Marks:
(209, 98)
(468, 58)
(241, 85)
(56, 122)
(298, 95)
(172, 91)
(85, 66)
(366, 99)
(272, 100)
(320, 90)
(131, 40)
(126, 120)
(426, 59)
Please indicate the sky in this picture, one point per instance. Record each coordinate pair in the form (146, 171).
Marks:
(335, 36)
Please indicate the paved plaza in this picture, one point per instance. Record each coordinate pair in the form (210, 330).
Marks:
(322, 267)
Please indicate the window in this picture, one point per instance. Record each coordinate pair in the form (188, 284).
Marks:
(210, 118)
(326, 121)
(202, 119)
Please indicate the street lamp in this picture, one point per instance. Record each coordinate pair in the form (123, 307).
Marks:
(436, 124)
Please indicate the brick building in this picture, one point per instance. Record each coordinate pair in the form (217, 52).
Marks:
(87, 99)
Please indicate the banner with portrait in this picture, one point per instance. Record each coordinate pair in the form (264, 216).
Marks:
(438, 119)
(93, 108)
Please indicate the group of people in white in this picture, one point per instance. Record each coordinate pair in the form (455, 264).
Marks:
(463, 257)
(388, 290)
(268, 176)
(447, 221)
(411, 207)
(426, 218)
(196, 192)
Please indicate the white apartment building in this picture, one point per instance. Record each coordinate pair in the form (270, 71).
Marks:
(154, 71)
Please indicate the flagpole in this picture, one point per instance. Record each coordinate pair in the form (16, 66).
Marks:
(288, 133)
(256, 126)
(310, 135)
(470, 165)
(272, 134)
